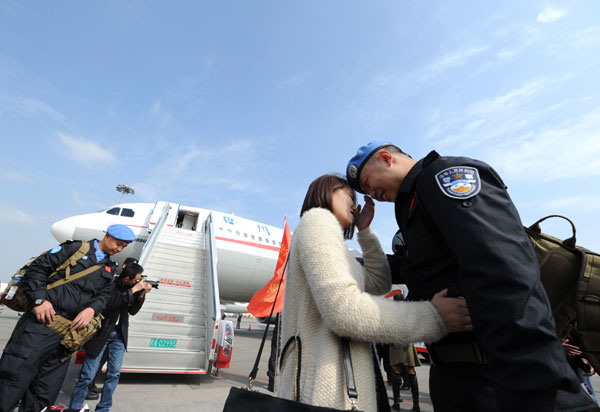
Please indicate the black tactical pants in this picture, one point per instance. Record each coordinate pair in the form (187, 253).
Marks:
(467, 387)
(30, 367)
(461, 387)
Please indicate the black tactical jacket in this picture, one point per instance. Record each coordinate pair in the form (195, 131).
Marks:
(92, 290)
(478, 244)
(122, 303)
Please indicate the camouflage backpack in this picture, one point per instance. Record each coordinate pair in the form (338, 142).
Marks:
(14, 297)
(571, 277)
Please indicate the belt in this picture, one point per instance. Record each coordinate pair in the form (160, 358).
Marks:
(456, 352)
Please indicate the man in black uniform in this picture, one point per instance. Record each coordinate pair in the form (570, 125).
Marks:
(30, 368)
(461, 231)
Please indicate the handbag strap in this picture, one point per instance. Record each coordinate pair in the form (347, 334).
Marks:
(254, 371)
(348, 370)
(350, 383)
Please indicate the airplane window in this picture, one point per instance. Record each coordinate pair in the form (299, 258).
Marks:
(274, 242)
(252, 237)
(221, 229)
(229, 230)
(237, 233)
(245, 235)
(260, 238)
(127, 212)
(114, 211)
(279, 243)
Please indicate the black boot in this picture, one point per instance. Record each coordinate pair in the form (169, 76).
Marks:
(414, 390)
(405, 382)
(396, 390)
(94, 388)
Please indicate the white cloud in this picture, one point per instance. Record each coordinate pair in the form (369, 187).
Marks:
(85, 151)
(208, 174)
(297, 78)
(37, 107)
(570, 150)
(406, 83)
(483, 122)
(507, 101)
(13, 176)
(10, 214)
(579, 203)
(449, 61)
(550, 14)
(149, 192)
(157, 110)
(28, 107)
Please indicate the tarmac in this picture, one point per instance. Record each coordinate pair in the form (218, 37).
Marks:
(156, 392)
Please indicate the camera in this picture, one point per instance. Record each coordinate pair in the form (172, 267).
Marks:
(153, 283)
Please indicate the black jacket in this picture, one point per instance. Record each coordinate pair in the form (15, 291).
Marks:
(92, 290)
(122, 304)
(478, 243)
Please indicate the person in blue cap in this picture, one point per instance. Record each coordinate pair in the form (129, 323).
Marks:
(460, 230)
(31, 369)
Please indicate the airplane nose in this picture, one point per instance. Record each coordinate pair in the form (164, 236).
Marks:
(63, 229)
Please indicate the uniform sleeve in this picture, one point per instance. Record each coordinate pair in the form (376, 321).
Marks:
(377, 271)
(499, 277)
(36, 275)
(103, 298)
(344, 308)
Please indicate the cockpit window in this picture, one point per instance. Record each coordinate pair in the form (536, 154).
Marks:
(114, 211)
(127, 212)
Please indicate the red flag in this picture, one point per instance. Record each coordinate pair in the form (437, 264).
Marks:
(261, 303)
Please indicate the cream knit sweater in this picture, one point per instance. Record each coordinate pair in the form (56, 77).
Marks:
(329, 294)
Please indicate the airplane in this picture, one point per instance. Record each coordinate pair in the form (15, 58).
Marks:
(247, 250)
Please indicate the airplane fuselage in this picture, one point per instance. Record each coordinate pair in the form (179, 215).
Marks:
(247, 250)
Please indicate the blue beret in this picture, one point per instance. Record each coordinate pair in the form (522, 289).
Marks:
(121, 232)
(356, 164)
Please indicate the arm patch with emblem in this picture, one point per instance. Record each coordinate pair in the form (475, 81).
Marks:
(459, 182)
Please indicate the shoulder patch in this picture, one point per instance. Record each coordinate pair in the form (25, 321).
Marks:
(459, 182)
(56, 249)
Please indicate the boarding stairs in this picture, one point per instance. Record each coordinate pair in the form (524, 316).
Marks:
(173, 332)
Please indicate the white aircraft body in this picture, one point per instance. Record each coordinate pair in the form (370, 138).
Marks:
(247, 250)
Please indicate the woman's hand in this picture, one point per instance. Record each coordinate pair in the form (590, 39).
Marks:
(454, 312)
(364, 214)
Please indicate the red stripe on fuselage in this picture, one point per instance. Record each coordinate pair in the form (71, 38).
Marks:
(243, 242)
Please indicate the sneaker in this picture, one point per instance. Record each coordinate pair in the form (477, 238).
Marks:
(92, 396)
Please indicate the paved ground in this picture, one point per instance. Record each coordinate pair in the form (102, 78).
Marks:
(153, 393)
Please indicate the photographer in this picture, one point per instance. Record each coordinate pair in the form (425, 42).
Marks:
(127, 297)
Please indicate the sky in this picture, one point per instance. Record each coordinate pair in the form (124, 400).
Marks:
(237, 106)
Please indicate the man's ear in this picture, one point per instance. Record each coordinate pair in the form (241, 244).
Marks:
(386, 157)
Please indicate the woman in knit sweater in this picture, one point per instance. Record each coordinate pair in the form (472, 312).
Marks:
(330, 294)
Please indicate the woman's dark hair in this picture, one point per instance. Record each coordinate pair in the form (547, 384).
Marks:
(131, 270)
(320, 192)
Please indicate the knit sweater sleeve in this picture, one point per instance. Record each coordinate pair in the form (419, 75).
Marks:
(378, 279)
(344, 308)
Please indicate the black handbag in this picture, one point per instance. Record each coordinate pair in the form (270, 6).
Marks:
(249, 400)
